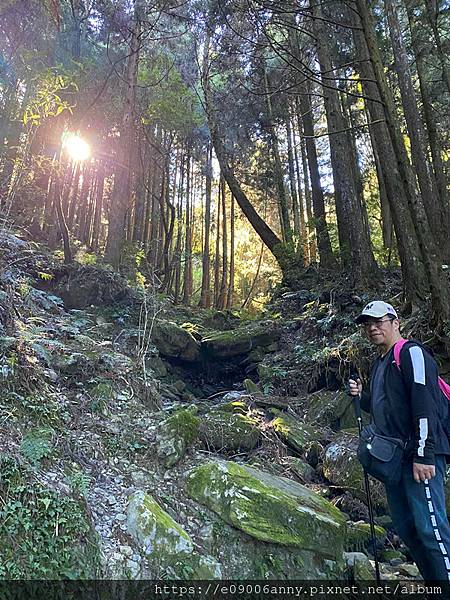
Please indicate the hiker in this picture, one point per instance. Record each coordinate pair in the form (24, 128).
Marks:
(409, 413)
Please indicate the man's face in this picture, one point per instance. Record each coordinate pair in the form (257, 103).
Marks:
(382, 331)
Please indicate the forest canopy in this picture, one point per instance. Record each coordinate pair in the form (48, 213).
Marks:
(214, 148)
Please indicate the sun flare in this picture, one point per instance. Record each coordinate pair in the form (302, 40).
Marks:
(76, 147)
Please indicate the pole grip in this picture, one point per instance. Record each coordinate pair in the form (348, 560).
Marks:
(357, 406)
(356, 399)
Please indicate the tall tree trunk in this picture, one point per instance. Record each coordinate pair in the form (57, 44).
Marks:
(77, 19)
(292, 183)
(96, 228)
(416, 132)
(150, 187)
(222, 300)
(187, 286)
(386, 217)
(170, 229)
(432, 7)
(90, 209)
(73, 198)
(304, 111)
(427, 250)
(350, 124)
(354, 238)
(278, 168)
(419, 46)
(301, 198)
(230, 296)
(205, 294)
(142, 162)
(217, 247)
(68, 257)
(155, 210)
(82, 208)
(178, 244)
(120, 199)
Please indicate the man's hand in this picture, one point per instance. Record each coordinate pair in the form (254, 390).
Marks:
(422, 472)
(355, 387)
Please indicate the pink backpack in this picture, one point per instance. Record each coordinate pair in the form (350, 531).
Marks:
(443, 386)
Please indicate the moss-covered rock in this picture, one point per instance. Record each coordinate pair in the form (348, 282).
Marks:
(294, 432)
(269, 508)
(332, 409)
(226, 344)
(342, 468)
(175, 342)
(300, 468)
(359, 536)
(360, 567)
(229, 430)
(175, 434)
(243, 557)
(166, 544)
(81, 286)
(234, 406)
(390, 554)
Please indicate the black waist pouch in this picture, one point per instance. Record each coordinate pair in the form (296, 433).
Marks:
(381, 456)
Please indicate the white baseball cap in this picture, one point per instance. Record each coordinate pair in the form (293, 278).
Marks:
(376, 309)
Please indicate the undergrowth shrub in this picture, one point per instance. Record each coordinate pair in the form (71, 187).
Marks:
(43, 534)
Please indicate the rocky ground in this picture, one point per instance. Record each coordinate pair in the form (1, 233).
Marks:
(139, 440)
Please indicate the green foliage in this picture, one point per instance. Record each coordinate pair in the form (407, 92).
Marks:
(78, 481)
(171, 103)
(47, 100)
(86, 258)
(45, 276)
(36, 407)
(43, 535)
(269, 374)
(36, 445)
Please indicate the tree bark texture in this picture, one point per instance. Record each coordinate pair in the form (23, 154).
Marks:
(354, 238)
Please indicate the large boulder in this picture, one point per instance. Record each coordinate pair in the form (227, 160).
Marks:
(167, 546)
(243, 557)
(81, 286)
(175, 434)
(173, 341)
(269, 508)
(331, 409)
(293, 431)
(227, 429)
(342, 467)
(227, 344)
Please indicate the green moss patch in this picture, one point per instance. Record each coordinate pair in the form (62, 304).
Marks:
(342, 467)
(168, 547)
(175, 434)
(359, 536)
(225, 344)
(269, 508)
(294, 432)
(228, 431)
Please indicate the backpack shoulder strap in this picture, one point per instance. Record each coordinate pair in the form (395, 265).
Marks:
(397, 349)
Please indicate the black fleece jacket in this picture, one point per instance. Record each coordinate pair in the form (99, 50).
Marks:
(415, 409)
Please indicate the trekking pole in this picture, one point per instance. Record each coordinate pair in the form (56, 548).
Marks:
(357, 409)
